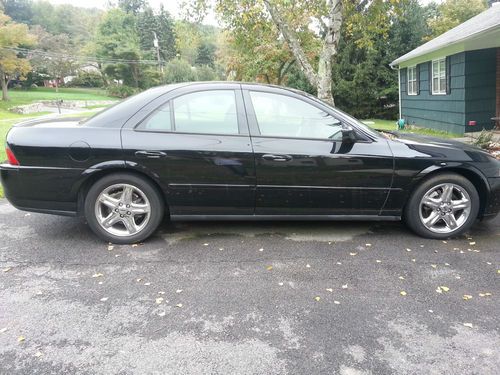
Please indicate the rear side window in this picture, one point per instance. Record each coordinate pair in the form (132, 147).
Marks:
(206, 112)
(160, 119)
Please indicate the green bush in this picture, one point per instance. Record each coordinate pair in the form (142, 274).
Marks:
(86, 79)
(121, 91)
(206, 73)
(178, 70)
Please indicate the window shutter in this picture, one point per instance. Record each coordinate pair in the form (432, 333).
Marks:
(448, 75)
(417, 76)
(429, 76)
(404, 80)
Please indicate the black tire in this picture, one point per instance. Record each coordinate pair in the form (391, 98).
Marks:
(412, 210)
(157, 207)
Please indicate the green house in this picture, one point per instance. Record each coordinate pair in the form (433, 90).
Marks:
(452, 82)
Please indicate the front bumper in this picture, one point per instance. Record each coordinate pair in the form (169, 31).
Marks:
(40, 189)
(492, 207)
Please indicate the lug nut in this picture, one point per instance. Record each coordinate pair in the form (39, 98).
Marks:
(128, 212)
(128, 205)
(121, 215)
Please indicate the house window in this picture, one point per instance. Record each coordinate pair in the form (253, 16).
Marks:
(439, 76)
(412, 80)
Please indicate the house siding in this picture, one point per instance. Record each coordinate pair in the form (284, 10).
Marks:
(443, 112)
(480, 88)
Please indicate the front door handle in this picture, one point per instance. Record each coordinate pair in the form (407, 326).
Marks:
(150, 154)
(273, 157)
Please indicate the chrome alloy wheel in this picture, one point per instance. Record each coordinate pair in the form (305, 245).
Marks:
(445, 208)
(122, 210)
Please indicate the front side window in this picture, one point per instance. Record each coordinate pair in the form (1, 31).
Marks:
(284, 116)
(439, 76)
(412, 80)
(212, 112)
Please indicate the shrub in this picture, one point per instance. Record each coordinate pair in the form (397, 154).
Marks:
(205, 73)
(179, 71)
(484, 139)
(87, 79)
(121, 91)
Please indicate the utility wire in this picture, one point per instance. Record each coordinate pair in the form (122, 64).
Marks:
(58, 55)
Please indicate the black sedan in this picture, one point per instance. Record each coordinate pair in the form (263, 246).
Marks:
(231, 151)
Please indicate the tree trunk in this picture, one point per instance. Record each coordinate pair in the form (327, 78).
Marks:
(322, 78)
(4, 83)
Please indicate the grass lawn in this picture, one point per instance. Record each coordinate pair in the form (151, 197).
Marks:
(21, 97)
(391, 125)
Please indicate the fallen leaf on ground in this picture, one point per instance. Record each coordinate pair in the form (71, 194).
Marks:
(97, 275)
(431, 311)
(178, 291)
(280, 284)
(134, 245)
(7, 269)
(329, 290)
(457, 277)
(447, 264)
(104, 299)
(472, 243)
(403, 293)
(308, 266)
(486, 294)
(38, 354)
(368, 244)
(161, 292)
(339, 263)
(353, 254)
(261, 249)
(468, 325)
(147, 284)
(20, 339)
(433, 265)
(413, 260)
(407, 249)
(179, 305)
(498, 271)
(159, 300)
(336, 302)
(445, 242)
(161, 313)
(344, 286)
(467, 297)
(221, 248)
(269, 268)
(138, 280)
(205, 244)
(401, 278)
(441, 289)
(378, 261)
(317, 298)
(110, 247)
(3, 330)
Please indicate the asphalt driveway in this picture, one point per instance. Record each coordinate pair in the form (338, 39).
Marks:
(247, 298)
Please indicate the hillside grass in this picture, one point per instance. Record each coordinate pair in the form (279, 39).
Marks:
(22, 97)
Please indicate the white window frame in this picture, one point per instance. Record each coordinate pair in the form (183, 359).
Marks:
(439, 74)
(411, 81)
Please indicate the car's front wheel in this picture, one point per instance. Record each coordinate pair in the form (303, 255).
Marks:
(442, 206)
(123, 208)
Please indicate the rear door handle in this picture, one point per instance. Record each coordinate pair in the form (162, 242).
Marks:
(150, 154)
(273, 157)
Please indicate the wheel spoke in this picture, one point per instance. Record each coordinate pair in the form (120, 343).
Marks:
(431, 202)
(461, 204)
(447, 193)
(450, 221)
(139, 208)
(110, 220)
(108, 201)
(126, 197)
(432, 219)
(130, 224)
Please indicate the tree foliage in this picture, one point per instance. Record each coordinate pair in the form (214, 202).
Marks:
(452, 13)
(12, 64)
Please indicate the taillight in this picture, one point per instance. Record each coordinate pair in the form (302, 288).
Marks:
(11, 157)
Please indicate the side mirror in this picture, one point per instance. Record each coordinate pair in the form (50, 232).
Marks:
(348, 134)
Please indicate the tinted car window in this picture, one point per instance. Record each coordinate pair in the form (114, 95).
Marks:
(160, 119)
(285, 116)
(206, 112)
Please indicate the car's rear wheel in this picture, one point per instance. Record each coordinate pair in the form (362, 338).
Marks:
(442, 206)
(123, 208)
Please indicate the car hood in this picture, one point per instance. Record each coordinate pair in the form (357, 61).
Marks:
(421, 146)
